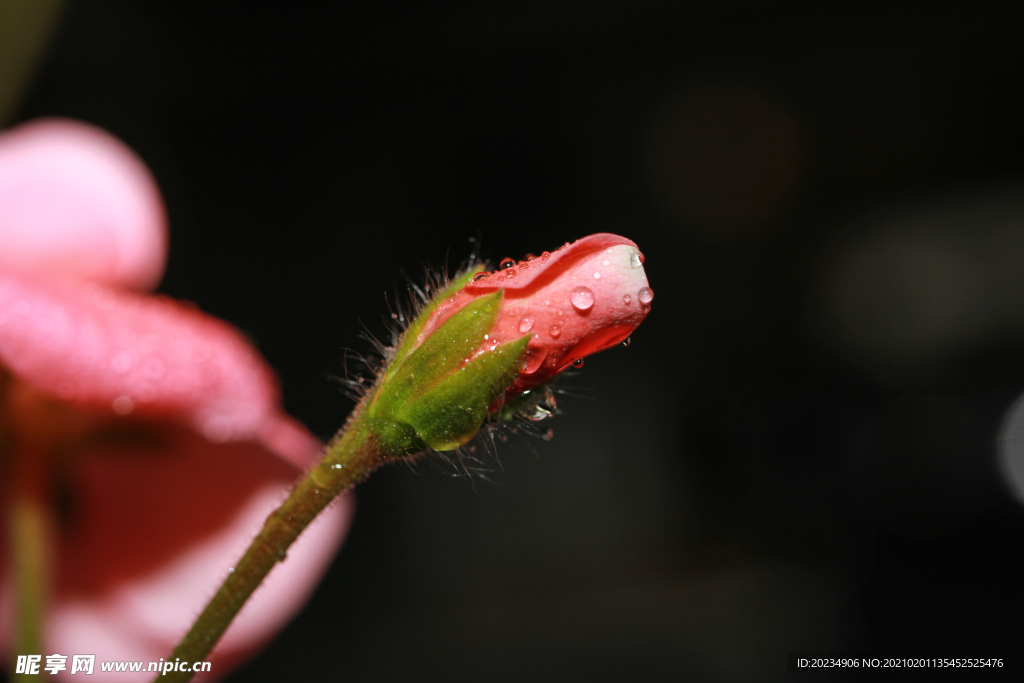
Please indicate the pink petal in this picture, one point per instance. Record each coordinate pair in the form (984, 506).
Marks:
(126, 353)
(76, 203)
(154, 527)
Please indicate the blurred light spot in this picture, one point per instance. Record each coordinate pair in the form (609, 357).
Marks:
(1010, 451)
(725, 158)
(917, 286)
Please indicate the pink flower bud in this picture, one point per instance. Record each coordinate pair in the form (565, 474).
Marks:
(580, 299)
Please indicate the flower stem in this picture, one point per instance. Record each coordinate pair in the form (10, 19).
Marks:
(29, 528)
(350, 457)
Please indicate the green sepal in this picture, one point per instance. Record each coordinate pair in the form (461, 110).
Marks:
(405, 344)
(440, 354)
(452, 411)
(396, 438)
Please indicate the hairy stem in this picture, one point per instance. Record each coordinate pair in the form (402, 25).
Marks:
(350, 457)
(30, 552)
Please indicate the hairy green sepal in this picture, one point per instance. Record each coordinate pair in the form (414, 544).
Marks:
(438, 389)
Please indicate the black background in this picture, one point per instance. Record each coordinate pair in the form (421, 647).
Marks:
(738, 483)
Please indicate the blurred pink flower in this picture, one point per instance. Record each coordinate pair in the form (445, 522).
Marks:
(165, 424)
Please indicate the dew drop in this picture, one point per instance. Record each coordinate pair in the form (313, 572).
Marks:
(511, 272)
(154, 369)
(504, 438)
(525, 325)
(627, 341)
(123, 405)
(606, 263)
(645, 295)
(394, 316)
(549, 434)
(627, 299)
(582, 298)
(480, 276)
(231, 570)
(544, 256)
(578, 363)
(122, 362)
(597, 275)
(282, 554)
(635, 260)
(530, 257)
(506, 263)
(566, 244)
(556, 331)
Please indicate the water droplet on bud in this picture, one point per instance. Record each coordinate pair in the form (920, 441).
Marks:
(578, 363)
(645, 295)
(635, 260)
(506, 263)
(582, 298)
(480, 276)
(627, 341)
(530, 257)
(627, 299)
(525, 325)
(556, 331)
(606, 263)
(597, 275)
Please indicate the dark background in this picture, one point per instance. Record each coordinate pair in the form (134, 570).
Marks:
(798, 450)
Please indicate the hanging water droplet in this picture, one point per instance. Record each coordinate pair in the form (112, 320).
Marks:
(627, 299)
(645, 295)
(480, 276)
(506, 263)
(627, 341)
(555, 331)
(582, 298)
(578, 363)
(525, 325)
(635, 260)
